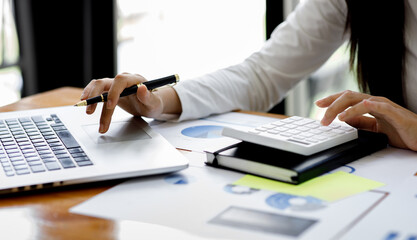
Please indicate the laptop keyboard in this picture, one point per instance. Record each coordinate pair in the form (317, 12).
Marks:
(31, 145)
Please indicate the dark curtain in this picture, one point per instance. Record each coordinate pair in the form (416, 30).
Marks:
(274, 16)
(65, 42)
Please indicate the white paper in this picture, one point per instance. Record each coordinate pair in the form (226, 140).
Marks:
(204, 193)
(394, 218)
(391, 166)
(184, 211)
(204, 134)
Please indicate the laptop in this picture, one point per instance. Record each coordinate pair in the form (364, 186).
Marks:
(60, 146)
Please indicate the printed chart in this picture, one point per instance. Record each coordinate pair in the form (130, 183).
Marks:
(178, 179)
(203, 131)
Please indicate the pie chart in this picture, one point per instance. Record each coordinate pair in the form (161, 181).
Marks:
(298, 203)
(203, 131)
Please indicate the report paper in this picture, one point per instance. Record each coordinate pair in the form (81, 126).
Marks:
(394, 218)
(204, 201)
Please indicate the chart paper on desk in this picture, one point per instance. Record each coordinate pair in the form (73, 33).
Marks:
(205, 133)
(391, 166)
(394, 218)
(203, 201)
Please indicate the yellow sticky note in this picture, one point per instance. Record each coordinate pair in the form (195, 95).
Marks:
(328, 187)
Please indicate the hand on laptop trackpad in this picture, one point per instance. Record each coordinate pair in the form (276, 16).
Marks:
(118, 132)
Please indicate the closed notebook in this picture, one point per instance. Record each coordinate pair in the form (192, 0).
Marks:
(291, 167)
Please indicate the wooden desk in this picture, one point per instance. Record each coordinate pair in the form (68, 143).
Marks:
(44, 215)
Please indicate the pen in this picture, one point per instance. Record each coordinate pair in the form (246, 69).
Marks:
(151, 85)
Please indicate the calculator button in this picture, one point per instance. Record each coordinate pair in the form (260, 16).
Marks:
(273, 131)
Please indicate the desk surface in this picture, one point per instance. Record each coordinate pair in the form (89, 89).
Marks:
(44, 215)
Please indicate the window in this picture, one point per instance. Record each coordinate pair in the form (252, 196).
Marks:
(191, 38)
(10, 76)
(188, 37)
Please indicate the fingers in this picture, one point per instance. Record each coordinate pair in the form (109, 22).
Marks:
(363, 122)
(143, 95)
(150, 104)
(325, 102)
(95, 88)
(114, 87)
(337, 103)
(121, 81)
(398, 123)
(105, 118)
(377, 106)
(147, 98)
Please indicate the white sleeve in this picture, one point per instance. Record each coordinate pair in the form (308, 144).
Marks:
(296, 48)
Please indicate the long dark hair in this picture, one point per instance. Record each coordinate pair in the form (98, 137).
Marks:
(377, 46)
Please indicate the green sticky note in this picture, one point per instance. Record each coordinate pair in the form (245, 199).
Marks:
(328, 187)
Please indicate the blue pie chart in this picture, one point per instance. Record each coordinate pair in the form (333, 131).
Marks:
(203, 131)
(177, 179)
(299, 203)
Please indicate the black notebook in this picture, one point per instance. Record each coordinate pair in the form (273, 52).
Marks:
(291, 167)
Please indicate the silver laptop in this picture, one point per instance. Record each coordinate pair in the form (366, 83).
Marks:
(60, 146)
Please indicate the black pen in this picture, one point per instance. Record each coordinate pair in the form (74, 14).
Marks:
(151, 85)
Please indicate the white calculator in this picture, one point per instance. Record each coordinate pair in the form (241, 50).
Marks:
(296, 134)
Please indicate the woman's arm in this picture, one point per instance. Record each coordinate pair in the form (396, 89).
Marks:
(297, 47)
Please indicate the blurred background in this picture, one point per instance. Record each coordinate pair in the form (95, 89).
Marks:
(46, 44)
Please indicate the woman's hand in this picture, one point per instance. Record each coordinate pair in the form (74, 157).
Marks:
(398, 123)
(143, 103)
